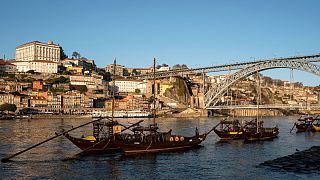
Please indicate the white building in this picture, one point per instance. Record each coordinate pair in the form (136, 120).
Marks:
(128, 86)
(38, 56)
(163, 68)
(92, 82)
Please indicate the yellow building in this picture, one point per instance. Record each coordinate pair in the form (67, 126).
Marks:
(164, 87)
(38, 101)
(75, 69)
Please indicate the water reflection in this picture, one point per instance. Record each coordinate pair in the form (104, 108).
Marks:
(214, 159)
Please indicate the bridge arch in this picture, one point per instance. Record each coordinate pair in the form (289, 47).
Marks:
(213, 96)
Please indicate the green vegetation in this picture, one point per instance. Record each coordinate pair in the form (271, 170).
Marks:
(66, 73)
(76, 55)
(8, 107)
(4, 74)
(59, 80)
(31, 71)
(58, 90)
(62, 54)
(179, 85)
(178, 66)
(26, 80)
(138, 91)
(81, 88)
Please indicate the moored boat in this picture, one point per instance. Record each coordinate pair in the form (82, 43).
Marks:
(110, 136)
(315, 128)
(229, 130)
(307, 123)
(149, 140)
(260, 133)
(256, 130)
(103, 139)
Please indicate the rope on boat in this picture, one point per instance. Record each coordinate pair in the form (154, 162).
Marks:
(87, 149)
(292, 127)
(149, 146)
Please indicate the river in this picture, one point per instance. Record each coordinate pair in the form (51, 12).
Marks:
(213, 160)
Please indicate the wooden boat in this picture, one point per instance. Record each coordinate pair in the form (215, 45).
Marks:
(304, 123)
(107, 133)
(315, 128)
(149, 140)
(110, 137)
(308, 123)
(259, 133)
(229, 130)
(102, 139)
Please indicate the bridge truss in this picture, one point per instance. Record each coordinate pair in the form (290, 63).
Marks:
(219, 68)
(213, 96)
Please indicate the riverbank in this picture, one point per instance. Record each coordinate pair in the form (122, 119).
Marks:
(306, 161)
(196, 113)
(64, 116)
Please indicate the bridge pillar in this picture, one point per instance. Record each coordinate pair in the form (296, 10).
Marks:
(210, 112)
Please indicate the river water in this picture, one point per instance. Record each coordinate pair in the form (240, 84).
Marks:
(213, 160)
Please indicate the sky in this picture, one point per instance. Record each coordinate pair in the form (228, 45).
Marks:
(197, 33)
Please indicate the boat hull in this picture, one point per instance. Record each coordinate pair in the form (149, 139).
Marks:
(135, 147)
(262, 134)
(315, 128)
(229, 135)
(302, 127)
(101, 145)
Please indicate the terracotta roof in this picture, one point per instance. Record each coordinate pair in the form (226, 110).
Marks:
(3, 62)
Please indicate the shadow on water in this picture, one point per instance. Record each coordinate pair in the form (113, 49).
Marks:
(214, 159)
(155, 154)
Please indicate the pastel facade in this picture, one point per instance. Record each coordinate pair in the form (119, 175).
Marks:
(129, 86)
(118, 69)
(7, 66)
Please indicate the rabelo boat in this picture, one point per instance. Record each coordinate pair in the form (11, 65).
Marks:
(229, 130)
(259, 133)
(308, 123)
(110, 137)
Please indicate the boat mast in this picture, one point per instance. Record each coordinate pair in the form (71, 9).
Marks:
(154, 92)
(258, 99)
(113, 88)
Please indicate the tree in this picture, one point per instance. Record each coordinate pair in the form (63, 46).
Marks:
(138, 91)
(66, 73)
(81, 88)
(176, 66)
(76, 55)
(183, 66)
(62, 54)
(8, 107)
(30, 71)
(125, 72)
(135, 72)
